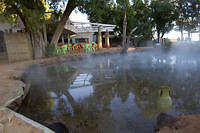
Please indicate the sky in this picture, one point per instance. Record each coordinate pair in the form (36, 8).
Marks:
(80, 17)
(77, 16)
(174, 35)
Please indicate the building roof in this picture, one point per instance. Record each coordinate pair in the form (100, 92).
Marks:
(82, 27)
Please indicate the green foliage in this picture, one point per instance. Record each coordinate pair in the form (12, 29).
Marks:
(191, 14)
(62, 69)
(181, 10)
(98, 10)
(4, 16)
(188, 15)
(107, 11)
(141, 19)
(31, 12)
(163, 14)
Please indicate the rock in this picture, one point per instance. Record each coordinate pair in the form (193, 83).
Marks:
(58, 127)
(1, 128)
(165, 120)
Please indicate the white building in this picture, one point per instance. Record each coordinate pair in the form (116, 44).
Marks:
(84, 32)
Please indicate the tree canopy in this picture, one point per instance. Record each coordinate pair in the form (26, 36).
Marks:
(32, 13)
(108, 11)
(147, 15)
(163, 15)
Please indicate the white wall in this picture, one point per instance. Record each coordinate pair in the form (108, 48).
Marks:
(5, 26)
(84, 35)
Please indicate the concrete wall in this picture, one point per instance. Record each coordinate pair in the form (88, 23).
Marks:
(18, 46)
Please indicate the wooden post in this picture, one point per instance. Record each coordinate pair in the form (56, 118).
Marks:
(63, 41)
(107, 39)
(68, 38)
(99, 37)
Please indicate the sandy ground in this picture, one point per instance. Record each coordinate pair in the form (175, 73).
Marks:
(184, 124)
(11, 122)
(15, 125)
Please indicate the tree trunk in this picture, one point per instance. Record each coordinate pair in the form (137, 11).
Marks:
(45, 34)
(188, 35)
(71, 100)
(36, 37)
(124, 50)
(182, 34)
(162, 35)
(158, 33)
(38, 44)
(128, 40)
(60, 26)
(129, 36)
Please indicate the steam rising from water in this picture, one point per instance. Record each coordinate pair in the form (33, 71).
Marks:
(109, 84)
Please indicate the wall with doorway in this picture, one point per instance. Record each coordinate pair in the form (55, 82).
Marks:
(86, 36)
(18, 46)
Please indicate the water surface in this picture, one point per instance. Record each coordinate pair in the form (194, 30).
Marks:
(113, 93)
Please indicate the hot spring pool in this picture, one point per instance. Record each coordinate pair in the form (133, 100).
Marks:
(113, 93)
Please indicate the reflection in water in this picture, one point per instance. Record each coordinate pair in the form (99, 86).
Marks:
(108, 63)
(100, 67)
(164, 101)
(112, 95)
(62, 69)
(81, 87)
(163, 104)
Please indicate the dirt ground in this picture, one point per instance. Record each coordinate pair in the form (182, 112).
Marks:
(15, 124)
(3, 58)
(11, 122)
(184, 124)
